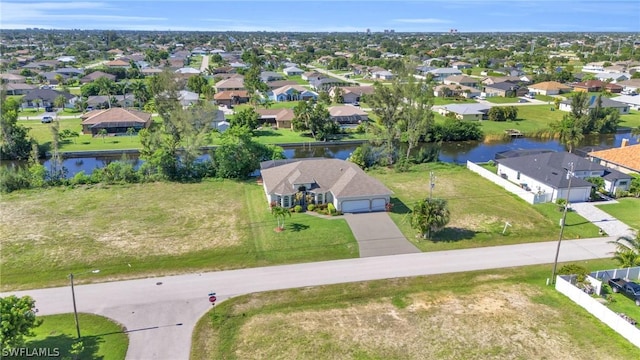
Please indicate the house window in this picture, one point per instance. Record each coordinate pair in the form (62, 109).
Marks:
(319, 199)
(285, 201)
(518, 177)
(621, 183)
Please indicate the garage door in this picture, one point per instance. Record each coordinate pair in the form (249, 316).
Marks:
(353, 206)
(378, 205)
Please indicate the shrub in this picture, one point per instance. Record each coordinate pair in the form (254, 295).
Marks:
(311, 207)
(297, 209)
(561, 203)
(331, 209)
(572, 269)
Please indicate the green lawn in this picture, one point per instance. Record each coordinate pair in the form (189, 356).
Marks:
(213, 225)
(627, 210)
(479, 210)
(545, 98)
(446, 101)
(502, 100)
(298, 79)
(101, 337)
(31, 113)
(631, 120)
(496, 314)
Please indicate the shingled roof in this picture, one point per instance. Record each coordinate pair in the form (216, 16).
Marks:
(342, 178)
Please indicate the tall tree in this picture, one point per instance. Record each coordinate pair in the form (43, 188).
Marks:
(315, 118)
(197, 84)
(18, 320)
(429, 216)
(105, 87)
(280, 214)
(15, 142)
(416, 117)
(248, 118)
(140, 93)
(386, 103)
(60, 101)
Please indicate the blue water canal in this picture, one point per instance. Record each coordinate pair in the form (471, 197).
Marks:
(452, 152)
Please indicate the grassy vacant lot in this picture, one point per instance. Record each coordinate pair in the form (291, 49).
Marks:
(153, 229)
(478, 208)
(627, 210)
(101, 337)
(497, 314)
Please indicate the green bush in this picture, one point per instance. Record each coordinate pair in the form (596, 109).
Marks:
(331, 209)
(297, 209)
(311, 207)
(572, 269)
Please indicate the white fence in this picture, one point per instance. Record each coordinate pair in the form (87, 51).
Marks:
(611, 319)
(625, 273)
(529, 197)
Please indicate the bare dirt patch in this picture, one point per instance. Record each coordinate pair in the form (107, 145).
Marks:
(486, 324)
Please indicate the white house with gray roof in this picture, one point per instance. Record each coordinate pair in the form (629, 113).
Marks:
(334, 181)
(466, 111)
(546, 175)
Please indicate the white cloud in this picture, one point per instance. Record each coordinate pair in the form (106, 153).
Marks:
(422, 21)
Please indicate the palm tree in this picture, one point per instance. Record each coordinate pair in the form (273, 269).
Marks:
(103, 133)
(280, 214)
(627, 250)
(140, 92)
(429, 216)
(569, 130)
(106, 87)
(59, 101)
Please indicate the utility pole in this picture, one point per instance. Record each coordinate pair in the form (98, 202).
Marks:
(562, 221)
(432, 184)
(75, 310)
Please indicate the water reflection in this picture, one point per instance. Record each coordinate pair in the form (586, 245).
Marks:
(454, 152)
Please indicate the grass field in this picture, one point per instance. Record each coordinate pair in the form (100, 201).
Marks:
(139, 230)
(479, 210)
(627, 210)
(502, 100)
(496, 314)
(102, 338)
(446, 101)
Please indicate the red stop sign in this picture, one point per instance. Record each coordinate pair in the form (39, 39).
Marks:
(212, 299)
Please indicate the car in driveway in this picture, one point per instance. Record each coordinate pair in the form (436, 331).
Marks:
(47, 119)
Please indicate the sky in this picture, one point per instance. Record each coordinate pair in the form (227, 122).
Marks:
(326, 15)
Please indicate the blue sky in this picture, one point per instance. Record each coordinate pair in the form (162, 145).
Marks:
(327, 15)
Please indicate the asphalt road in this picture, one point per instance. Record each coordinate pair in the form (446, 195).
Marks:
(160, 313)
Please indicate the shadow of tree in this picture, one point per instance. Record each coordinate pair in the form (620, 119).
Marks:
(399, 207)
(266, 133)
(297, 227)
(451, 234)
(63, 343)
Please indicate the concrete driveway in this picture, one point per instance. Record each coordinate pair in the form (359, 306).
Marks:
(599, 218)
(378, 235)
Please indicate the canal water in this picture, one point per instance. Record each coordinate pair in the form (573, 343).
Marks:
(452, 152)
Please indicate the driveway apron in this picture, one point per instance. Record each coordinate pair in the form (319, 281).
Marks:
(378, 235)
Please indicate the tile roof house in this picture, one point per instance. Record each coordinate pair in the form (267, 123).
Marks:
(115, 121)
(118, 64)
(566, 105)
(625, 159)
(597, 86)
(281, 118)
(96, 75)
(545, 174)
(292, 71)
(230, 98)
(549, 88)
(17, 88)
(292, 93)
(347, 114)
(462, 80)
(505, 89)
(230, 84)
(46, 97)
(351, 94)
(334, 181)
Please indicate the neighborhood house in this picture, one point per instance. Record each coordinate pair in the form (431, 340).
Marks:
(334, 181)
